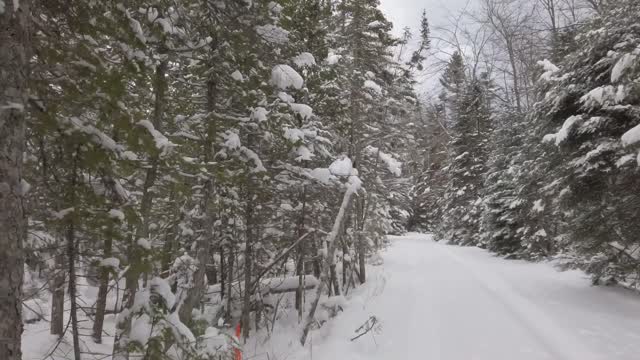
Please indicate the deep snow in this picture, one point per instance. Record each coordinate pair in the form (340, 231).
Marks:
(443, 302)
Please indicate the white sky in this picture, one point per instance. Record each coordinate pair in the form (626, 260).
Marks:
(407, 13)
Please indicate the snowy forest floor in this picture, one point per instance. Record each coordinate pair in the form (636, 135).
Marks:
(441, 302)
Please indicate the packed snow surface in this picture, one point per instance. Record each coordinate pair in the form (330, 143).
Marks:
(441, 302)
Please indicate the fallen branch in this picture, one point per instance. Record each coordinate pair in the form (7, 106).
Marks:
(371, 324)
(278, 258)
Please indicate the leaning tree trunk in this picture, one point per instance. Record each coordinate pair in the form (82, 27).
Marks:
(328, 263)
(14, 43)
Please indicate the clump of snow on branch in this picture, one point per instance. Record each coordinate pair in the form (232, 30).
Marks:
(232, 142)
(563, 133)
(116, 214)
(549, 69)
(341, 167)
(259, 114)
(322, 175)
(284, 77)
(113, 263)
(273, 34)
(604, 95)
(305, 111)
(237, 76)
(283, 96)
(333, 58)
(372, 85)
(161, 141)
(394, 166)
(621, 67)
(304, 59)
(632, 136)
(144, 243)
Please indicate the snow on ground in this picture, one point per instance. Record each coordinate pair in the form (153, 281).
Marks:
(443, 302)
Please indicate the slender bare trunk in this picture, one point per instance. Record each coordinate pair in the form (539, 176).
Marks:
(361, 259)
(103, 289)
(227, 314)
(222, 274)
(71, 259)
(57, 297)
(248, 257)
(331, 250)
(301, 252)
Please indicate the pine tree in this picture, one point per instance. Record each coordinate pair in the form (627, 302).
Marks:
(589, 113)
(468, 113)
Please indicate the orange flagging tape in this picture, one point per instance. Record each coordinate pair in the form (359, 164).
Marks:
(238, 353)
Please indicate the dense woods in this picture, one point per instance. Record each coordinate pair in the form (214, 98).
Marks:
(172, 169)
(539, 101)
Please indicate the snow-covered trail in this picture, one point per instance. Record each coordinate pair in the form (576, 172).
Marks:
(445, 302)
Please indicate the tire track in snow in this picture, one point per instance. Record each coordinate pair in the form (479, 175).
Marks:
(558, 343)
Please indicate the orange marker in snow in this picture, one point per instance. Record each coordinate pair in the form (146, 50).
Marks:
(238, 353)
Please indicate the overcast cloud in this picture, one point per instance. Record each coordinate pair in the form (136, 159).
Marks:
(405, 13)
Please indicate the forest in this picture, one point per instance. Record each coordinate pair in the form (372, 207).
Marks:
(175, 171)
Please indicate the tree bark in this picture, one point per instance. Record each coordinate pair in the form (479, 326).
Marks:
(195, 294)
(301, 253)
(227, 315)
(15, 40)
(57, 297)
(331, 250)
(361, 259)
(248, 258)
(71, 258)
(103, 289)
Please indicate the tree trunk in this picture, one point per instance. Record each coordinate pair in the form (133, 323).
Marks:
(71, 258)
(334, 281)
(135, 252)
(361, 259)
(331, 243)
(301, 252)
(248, 257)
(195, 294)
(227, 315)
(222, 274)
(103, 289)
(57, 297)
(14, 43)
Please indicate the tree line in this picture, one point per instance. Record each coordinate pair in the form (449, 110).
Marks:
(533, 139)
(176, 158)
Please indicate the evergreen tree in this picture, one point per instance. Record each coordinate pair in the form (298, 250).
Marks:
(589, 114)
(468, 111)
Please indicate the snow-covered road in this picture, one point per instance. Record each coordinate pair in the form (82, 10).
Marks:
(440, 302)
